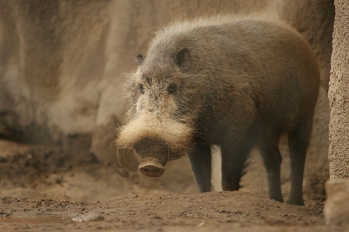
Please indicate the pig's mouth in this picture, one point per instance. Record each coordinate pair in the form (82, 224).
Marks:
(155, 144)
(151, 169)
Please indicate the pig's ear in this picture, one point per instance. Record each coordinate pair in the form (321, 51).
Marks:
(183, 59)
(139, 59)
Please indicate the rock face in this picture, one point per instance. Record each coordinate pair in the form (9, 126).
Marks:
(339, 96)
(62, 66)
(337, 188)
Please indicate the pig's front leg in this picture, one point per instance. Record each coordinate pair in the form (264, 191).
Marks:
(200, 160)
(234, 156)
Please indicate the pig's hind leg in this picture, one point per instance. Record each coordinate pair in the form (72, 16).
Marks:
(269, 150)
(298, 140)
(200, 160)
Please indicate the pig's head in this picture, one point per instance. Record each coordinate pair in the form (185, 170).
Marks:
(163, 102)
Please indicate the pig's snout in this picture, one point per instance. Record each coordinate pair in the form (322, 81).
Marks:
(151, 169)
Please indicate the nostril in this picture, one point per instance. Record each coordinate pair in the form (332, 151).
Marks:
(151, 170)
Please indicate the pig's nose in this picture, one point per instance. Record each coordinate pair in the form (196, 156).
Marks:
(151, 170)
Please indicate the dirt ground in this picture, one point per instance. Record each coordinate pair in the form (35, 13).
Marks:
(43, 189)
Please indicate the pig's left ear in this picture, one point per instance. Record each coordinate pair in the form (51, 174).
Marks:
(183, 59)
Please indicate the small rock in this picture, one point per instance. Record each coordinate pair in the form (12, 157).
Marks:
(337, 204)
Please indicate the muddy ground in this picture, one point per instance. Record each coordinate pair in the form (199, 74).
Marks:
(43, 189)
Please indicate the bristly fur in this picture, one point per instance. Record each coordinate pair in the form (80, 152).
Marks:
(178, 136)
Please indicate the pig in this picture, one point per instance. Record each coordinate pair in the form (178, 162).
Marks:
(236, 81)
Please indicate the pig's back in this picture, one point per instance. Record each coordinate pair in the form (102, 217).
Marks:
(269, 60)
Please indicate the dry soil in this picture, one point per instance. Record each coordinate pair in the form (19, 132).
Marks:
(43, 189)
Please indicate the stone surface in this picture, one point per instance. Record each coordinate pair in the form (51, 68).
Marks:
(337, 204)
(339, 95)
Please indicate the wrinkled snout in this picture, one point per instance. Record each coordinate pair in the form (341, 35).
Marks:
(155, 143)
(153, 156)
(151, 169)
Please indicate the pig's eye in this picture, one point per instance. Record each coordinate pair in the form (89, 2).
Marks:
(172, 88)
(141, 87)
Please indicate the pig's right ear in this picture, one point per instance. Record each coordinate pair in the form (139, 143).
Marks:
(139, 59)
(183, 59)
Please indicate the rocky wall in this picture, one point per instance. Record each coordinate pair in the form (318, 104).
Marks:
(339, 95)
(337, 207)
